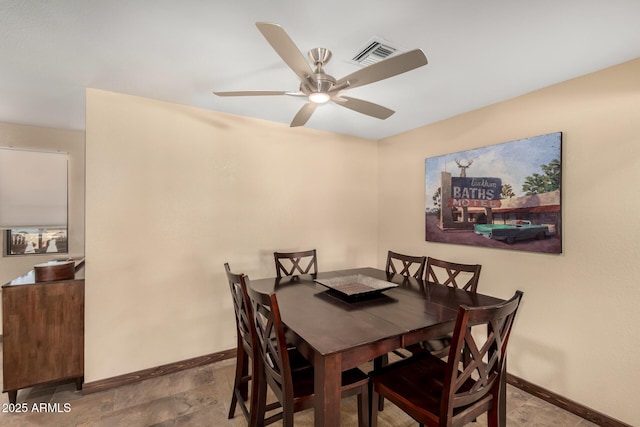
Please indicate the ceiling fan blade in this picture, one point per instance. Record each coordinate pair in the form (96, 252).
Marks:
(286, 48)
(384, 69)
(252, 93)
(364, 107)
(303, 114)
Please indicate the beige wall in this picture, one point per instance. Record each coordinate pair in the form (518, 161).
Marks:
(576, 334)
(173, 192)
(48, 139)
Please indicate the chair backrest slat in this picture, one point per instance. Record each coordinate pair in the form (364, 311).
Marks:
(293, 263)
(272, 345)
(405, 265)
(463, 276)
(242, 309)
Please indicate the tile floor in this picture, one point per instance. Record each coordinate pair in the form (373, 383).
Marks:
(201, 396)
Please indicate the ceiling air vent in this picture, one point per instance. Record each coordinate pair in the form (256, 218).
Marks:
(375, 50)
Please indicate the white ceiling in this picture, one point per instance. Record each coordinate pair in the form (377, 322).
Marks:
(479, 52)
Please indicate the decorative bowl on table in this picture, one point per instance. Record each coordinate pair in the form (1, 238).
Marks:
(356, 285)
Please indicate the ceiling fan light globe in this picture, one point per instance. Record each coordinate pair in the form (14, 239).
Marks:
(319, 97)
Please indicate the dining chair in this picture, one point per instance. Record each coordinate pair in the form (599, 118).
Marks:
(435, 392)
(294, 388)
(464, 276)
(246, 351)
(292, 263)
(405, 265)
(456, 275)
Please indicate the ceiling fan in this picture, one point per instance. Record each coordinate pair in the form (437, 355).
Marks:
(320, 87)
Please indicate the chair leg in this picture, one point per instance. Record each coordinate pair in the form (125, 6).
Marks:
(492, 417)
(256, 380)
(232, 407)
(244, 385)
(259, 409)
(373, 407)
(363, 407)
(287, 416)
(241, 363)
(493, 414)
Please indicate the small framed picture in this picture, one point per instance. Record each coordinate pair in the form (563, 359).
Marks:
(28, 241)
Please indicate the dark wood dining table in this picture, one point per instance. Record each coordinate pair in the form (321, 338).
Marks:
(336, 333)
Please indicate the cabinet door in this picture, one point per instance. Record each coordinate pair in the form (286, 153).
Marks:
(43, 333)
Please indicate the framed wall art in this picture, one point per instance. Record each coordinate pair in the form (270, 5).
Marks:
(502, 196)
(28, 241)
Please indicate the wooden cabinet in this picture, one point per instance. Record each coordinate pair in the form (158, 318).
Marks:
(43, 331)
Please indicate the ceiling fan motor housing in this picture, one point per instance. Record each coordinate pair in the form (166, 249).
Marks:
(320, 83)
(324, 82)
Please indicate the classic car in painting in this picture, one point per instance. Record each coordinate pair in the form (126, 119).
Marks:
(510, 233)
